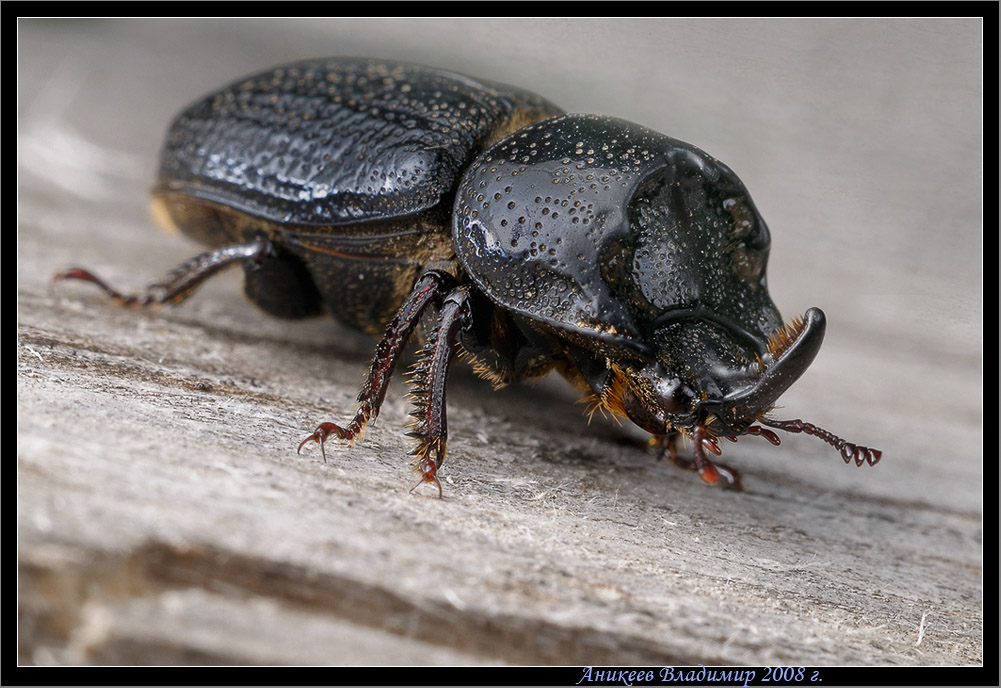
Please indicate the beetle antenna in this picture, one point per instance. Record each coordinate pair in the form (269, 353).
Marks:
(848, 449)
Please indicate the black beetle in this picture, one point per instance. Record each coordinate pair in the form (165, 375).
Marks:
(632, 263)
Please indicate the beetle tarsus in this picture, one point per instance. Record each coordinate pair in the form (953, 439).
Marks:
(324, 431)
(429, 474)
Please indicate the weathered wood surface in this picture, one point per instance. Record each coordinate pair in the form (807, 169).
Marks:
(164, 516)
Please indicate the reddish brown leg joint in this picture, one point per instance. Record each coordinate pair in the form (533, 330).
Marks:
(707, 471)
(711, 472)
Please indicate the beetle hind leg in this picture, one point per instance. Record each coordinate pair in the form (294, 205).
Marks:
(180, 282)
(429, 377)
(425, 292)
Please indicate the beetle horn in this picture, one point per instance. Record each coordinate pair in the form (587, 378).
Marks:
(794, 349)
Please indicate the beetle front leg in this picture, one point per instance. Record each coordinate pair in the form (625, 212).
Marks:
(713, 473)
(429, 377)
(426, 291)
(180, 282)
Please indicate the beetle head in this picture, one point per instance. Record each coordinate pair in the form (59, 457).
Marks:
(691, 269)
(699, 393)
(707, 373)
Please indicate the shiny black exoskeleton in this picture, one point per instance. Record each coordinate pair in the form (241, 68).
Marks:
(632, 263)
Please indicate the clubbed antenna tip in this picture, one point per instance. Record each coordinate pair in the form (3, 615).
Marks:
(849, 450)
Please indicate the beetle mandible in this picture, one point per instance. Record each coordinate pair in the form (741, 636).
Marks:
(630, 262)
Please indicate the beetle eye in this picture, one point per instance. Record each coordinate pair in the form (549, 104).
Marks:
(747, 230)
(676, 398)
(747, 265)
(743, 219)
